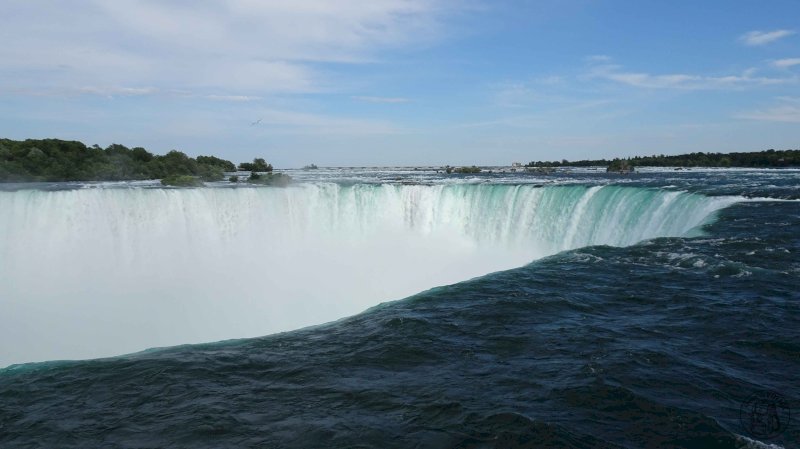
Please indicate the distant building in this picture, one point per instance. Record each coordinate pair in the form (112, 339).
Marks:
(516, 164)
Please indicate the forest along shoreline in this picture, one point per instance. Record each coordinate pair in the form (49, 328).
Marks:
(56, 160)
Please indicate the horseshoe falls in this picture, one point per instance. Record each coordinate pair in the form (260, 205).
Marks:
(575, 309)
(87, 273)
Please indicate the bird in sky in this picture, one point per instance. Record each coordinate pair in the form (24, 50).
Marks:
(256, 122)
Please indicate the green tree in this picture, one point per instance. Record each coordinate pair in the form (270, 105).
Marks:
(221, 163)
(258, 165)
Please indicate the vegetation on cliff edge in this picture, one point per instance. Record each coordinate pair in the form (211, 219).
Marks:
(270, 179)
(62, 160)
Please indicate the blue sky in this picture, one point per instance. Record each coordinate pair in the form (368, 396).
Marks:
(404, 82)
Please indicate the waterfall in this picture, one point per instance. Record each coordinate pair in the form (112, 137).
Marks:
(98, 272)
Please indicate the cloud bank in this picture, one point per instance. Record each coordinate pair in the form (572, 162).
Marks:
(786, 63)
(756, 38)
(232, 48)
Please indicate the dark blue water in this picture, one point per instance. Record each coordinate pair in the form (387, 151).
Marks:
(673, 342)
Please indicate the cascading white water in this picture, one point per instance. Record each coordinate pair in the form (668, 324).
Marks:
(100, 272)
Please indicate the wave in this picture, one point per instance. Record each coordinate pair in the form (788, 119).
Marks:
(99, 272)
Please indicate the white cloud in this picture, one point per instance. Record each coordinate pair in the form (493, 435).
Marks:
(514, 95)
(533, 92)
(245, 47)
(786, 63)
(550, 80)
(598, 58)
(686, 81)
(790, 114)
(289, 122)
(654, 81)
(756, 38)
(115, 91)
(232, 97)
(788, 110)
(371, 99)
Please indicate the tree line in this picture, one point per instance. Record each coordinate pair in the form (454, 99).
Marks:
(756, 159)
(62, 160)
